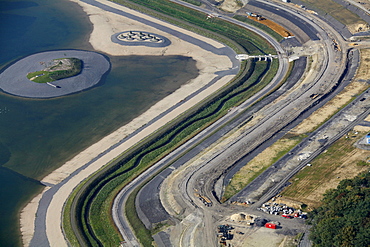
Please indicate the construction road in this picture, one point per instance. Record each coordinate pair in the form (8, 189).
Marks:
(336, 69)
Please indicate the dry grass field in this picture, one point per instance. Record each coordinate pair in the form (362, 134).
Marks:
(340, 13)
(266, 158)
(260, 163)
(341, 161)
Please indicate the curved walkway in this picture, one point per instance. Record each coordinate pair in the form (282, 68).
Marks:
(47, 229)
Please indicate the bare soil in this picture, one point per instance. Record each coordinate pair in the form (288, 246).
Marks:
(231, 5)
(357, 86)
(341, 161)
(267, 157)
(339, 12)
(274, 26)
(60, 64)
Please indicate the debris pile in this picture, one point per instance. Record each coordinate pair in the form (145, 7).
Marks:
(283, 210)
(224, 233)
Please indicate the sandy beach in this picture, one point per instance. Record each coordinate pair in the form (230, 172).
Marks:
(105, 25)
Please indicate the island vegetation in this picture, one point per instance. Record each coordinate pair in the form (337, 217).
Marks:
(344, 217)
(58, 69)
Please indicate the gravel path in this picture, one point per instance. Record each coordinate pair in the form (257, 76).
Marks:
(14, 81)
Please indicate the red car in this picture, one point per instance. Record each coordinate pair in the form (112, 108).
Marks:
(287, 216)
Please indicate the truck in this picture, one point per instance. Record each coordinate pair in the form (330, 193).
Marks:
(270, 225)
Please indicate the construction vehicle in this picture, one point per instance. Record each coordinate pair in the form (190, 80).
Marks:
(204, 199)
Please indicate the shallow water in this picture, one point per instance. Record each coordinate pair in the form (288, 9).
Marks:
(36, 136)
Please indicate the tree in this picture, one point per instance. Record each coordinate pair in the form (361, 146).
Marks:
(343, 219)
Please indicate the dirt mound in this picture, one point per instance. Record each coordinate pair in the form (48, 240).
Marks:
(357, 28)
(231, 5)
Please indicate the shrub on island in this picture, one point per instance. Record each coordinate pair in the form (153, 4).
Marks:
(58, 69)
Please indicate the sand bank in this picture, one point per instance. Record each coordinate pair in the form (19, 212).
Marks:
(211, 57)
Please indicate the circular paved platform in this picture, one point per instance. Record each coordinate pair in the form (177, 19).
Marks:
(13, 80)
(136, 38)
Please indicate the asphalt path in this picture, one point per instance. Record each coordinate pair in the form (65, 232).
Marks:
(146, 194)
(348, 76)
(149, 206)
(304, 26)
(122, 197)
(118, 216)
(325, 144)
(328, 74)
(255, 184)
(40, 238)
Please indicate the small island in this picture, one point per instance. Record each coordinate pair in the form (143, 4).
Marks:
(57, 69)
(54, 73)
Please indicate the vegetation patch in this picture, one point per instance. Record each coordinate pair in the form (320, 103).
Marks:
(95, 217)
(340, 161)
(259, 164)
(194, 2)
(143, 234)
(339, 12)
(343, 219)
(93, 212)
(58, 69)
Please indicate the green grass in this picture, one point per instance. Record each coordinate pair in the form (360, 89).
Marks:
(97, 199)
(194, 2)
(42, 76)
(144, 235)
(50, 76)
(197, 22)
(100, 195)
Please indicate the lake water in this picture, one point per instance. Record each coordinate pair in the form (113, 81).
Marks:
(36, 136)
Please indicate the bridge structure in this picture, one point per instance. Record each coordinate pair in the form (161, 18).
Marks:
(242, 57)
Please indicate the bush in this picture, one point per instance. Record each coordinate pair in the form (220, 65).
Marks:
(344, 217)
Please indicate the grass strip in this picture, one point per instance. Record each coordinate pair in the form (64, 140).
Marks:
(194, 2)
(96, 214)
(152, 153)
(197, 22)
(100, 216)
(259, 164)
(336, 10)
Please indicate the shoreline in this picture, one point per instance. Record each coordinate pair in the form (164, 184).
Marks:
(96, 65)
(105, 24)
